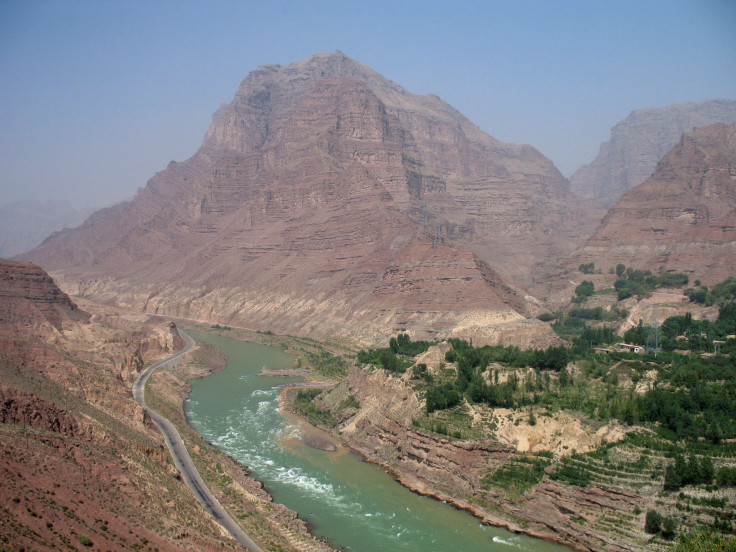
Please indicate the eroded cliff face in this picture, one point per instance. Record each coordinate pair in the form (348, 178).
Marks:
(455, 470)
(638, 142)
(682, 219)
(326, 199)
(30, 298)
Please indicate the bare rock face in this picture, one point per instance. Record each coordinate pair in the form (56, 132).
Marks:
(637, 144)
(326, 199)
(29, 297)
(683, 219)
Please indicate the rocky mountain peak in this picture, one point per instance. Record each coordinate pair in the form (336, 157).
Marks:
(326, 198)
(638, 142)
(682, 219)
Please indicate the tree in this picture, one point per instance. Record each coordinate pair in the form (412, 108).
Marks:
(707, 470)
(620, 269)
(714, 433)
(552, 358)
(672, 479)
(692, 471)
(653, 522)
(584, 290)
(669, 528)
(726, 477)
(388, 360)
(565, 378)
(393, 344)
(442, 397)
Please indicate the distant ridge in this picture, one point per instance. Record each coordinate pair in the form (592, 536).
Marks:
(638, 142)
(24, 224)
(682, 219)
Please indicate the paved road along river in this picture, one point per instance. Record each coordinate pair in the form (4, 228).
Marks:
(178, 451)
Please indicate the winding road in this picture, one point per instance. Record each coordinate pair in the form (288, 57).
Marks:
(179, 453)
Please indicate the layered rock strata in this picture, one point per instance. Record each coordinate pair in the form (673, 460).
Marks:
(327, 199)
(682, 219)
(452, 470)
(29, 297)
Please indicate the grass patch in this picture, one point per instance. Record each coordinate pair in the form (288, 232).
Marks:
(305, 404)
(519, 474)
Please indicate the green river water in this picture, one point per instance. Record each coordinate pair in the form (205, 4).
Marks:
(355, 505)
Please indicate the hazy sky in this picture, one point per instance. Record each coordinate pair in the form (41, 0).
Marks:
(97, 96)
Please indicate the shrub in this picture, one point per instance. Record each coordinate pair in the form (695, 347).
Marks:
(653, 522)
(726, 477)
(587, 268)
(584, 290)
(669, 528)
(705, 541)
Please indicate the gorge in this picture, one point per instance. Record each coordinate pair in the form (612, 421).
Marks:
(329, 212)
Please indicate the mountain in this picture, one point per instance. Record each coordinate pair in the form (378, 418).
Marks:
(24, 224)
(29, 297)
(682, 219)
(81, 464)
(326, 199)
(638, 142)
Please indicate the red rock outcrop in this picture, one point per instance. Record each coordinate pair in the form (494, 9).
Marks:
(326, 199)
(29, 297)
(22, 408)
(683, 219)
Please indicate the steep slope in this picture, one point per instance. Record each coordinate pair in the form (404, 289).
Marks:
(76, 456)
(327, 199)
(682, 219)
(29, 297)
(81, 465)
(638, 142)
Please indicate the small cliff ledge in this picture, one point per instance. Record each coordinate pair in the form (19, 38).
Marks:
(30, 297)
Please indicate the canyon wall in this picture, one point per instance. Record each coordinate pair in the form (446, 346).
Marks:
(682, 219)
(326, 199)
(638, 142)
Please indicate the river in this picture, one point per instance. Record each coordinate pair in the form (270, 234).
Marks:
(353, 504)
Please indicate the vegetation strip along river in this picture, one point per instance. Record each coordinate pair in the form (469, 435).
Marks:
(354, 504)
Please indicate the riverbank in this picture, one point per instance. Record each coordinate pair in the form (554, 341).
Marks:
(272, 525)
(411, 481)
